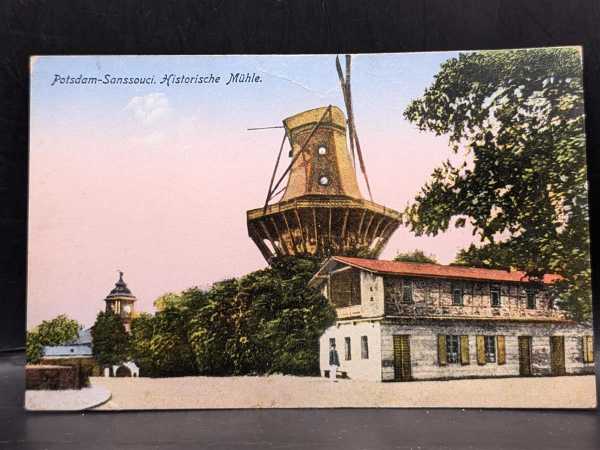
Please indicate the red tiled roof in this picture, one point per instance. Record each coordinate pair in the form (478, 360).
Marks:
(439, 271)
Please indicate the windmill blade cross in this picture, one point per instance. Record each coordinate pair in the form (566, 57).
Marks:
(270, 192)
(352, 133)
(348, 106)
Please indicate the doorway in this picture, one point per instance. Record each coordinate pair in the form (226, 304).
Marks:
(123, 371)
(525, 356)
(402, 370)
(557, 355)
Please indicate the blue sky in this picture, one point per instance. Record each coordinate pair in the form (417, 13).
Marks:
(291, 83)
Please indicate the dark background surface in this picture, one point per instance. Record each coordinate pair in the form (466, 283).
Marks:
(307, 26)
(318, 429)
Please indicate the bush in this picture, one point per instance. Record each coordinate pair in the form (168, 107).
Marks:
(265, 322)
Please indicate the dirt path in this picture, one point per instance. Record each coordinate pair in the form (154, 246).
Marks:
(302, 392)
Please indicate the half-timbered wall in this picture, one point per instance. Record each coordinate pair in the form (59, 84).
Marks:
(434, 298)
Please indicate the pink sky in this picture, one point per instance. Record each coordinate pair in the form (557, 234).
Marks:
(156, 183)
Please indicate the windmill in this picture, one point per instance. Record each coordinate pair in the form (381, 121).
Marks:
(320, 210)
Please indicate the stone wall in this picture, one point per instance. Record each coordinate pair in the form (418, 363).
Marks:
(51, 377)
(433, 298)
(424, 348)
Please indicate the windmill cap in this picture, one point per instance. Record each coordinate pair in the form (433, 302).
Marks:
(313, 116)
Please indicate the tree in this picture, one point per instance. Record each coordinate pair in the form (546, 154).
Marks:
(212, 331)
(140, 345)
(481, 257)
(264, 322)
(285, 318)
(110, 342)
(515, 118)
(267, 321)
(57, 331)
(417, 256)
(159, 344)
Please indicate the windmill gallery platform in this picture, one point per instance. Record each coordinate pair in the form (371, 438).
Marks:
(322, 211)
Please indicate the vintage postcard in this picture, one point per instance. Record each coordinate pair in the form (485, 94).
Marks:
(381, 230)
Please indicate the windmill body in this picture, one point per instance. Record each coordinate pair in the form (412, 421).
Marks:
(321, 211)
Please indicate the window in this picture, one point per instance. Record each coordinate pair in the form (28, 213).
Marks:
(407, 292)
(490, 348)
(364, 347)
(347, 349)
(322, 150)
(331, 342)
(323, 181)
(530, 298)
(457, 294)
(495, 296)
(452, 349)
(344, 288)
(588, 349)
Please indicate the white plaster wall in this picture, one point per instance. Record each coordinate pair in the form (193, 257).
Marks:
(356, 368)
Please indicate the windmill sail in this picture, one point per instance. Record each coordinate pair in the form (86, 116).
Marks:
(352, 134)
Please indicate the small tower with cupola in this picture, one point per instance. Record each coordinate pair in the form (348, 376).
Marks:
(121, 301)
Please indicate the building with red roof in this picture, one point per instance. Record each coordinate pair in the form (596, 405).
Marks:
(400, 321)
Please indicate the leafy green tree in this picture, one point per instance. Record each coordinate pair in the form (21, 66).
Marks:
(515, 121)
(284, 319)
(33, 347)
(159, 344)
(483, 257)
(57, 331)
(212, 330)
(267, 321)
(110, 342)
(417, 256)
(141, 345)
(173, 301)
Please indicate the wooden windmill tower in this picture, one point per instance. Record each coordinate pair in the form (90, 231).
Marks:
(321, 210)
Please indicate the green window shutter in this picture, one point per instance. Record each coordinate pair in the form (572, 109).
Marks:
(480, 341)
(464, 350)
(501, 350)
(442, 355)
